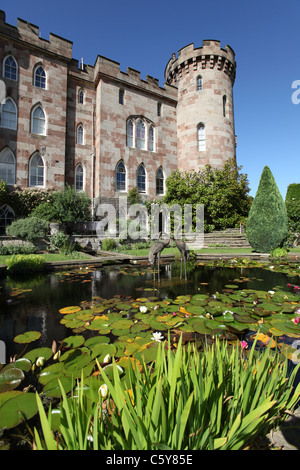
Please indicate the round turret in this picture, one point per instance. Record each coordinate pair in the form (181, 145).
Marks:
(205, 118)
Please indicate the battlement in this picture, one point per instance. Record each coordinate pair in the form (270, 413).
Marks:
(30, 34)
(109, 69)
(210, 55)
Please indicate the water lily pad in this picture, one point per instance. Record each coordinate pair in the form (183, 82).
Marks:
(27, 337)
(199, 326)
(10, 378)
(101, 350)
(73, 341)
(23, 364)
(89, 343)
(39, 352)
(50, 373)
(52, 389)
(19, 408)
(71, 309)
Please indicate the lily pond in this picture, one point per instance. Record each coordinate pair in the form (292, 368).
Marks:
(58, 324)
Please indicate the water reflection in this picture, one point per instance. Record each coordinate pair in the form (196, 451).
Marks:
(38, 307)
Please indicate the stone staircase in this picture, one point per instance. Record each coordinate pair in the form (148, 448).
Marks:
(232, 238)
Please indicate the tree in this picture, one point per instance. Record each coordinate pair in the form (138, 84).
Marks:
(224, 193)
(292, 202)
(65, 206)
(267, 225)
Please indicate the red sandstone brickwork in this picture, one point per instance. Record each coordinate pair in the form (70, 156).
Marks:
(104, 119)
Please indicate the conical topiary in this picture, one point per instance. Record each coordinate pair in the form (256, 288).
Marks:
(266, 226)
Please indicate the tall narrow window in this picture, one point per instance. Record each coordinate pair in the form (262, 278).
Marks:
(120, 177)
(9, 114)
(40, 77)
(141, 179)
(7, 216)
(121, 96)
(10, 68)
(199, 83)
(80, 136)
(79, 178)
(36, 171)
(140, 135)
(201, 137)
(159, 182)
(151, 139)
(80, 96)
(129, 133)
(224, 105)
(158, 109)
(7, 166)
(38, 125)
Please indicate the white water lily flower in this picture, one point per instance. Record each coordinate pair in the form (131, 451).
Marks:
(143, 309)
(227, 311)
(271, 292)
(157, 336)
(106, 360)
(40, 361)
(103, 390)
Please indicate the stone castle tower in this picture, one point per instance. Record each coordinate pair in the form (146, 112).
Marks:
(205, 118)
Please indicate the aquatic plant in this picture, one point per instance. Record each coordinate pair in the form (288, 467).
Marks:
(186, 400)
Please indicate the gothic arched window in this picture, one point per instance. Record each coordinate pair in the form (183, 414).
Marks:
(120, 177)
(7, 166)
(79, 178)
(36, 170)
(141, 179)
(40, 77)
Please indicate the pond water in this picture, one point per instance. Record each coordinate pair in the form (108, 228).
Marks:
(33, 302)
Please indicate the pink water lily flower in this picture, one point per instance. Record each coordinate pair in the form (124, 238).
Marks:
(295, 320)
(244, 344)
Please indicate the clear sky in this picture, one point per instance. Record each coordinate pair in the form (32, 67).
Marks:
(265, 35)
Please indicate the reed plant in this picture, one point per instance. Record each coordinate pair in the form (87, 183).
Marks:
(185, 400)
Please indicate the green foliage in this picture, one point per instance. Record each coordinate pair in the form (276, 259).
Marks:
(3, 192)
(58, 240)
(292, 202)
(224, 193)
(17, 249)
(187, 400)
(29, 229)
(66, 206)
(293, 192)
(25, 201)
(134, 196)
(279, 252)
(267, 225)
(24, 263)
(108, 244)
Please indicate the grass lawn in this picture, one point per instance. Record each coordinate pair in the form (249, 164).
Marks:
(212, 250)
(52, 257)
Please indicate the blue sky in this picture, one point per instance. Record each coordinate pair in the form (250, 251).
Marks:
(265, 35)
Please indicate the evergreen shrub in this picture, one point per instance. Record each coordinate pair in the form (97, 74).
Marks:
(30, 229)
(267, 225)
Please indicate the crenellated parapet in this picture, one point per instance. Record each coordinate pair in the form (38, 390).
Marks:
(209, 56)
(108, 69)
(30, 34)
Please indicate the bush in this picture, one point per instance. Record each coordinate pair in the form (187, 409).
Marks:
(67, 206)
(29, 229)
(17, 248)
(58, 240)
(267, 226)
(292, 202)
(24, 263)
(223, 192)
(108, 244)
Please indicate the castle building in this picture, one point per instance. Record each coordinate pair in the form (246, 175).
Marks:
(103, 130)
